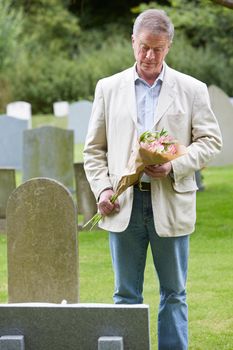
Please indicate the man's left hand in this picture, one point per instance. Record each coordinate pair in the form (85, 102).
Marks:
(158, 171)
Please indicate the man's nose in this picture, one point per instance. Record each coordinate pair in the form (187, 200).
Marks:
(150, 54)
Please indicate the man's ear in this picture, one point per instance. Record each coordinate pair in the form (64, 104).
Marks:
(132, 40)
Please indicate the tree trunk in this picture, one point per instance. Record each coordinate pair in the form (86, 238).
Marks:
(226, 3)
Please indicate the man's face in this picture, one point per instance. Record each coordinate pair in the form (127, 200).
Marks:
(150, 51)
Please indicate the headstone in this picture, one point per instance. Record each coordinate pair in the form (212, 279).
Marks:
(11, 141)
(2, 226)
(21, 110)
(48, 151)
(86, 202)
(77, 326)
(223, 110)
(61, 109)
(7, 186)
(42, 243)
(78, 119)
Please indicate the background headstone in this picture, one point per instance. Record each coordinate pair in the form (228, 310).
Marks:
(223, 110)
(76, 327)
(42, 243)
(78, 119)
(61, 109)
(86, 202)
(12, 342)
(7, 186)
(11, 141)
(20, 110)
(110, 343)
(48, 151)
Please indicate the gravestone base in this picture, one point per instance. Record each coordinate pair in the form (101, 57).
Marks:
(77, 326)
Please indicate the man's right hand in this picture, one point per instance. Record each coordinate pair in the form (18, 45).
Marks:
(104, 205)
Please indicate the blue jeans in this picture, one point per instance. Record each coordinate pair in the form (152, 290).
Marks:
(170, 256)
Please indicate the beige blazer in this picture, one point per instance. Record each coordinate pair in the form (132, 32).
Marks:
(184, 111)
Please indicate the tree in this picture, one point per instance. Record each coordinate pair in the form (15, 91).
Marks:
(226, 3)
(49, 26)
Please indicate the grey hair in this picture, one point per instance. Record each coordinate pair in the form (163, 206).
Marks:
(155, 21)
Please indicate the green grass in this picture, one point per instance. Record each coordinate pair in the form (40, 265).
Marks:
(210, 279)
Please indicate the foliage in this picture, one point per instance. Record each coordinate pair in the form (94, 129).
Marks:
(49, 27)
(51, 79)
(45, 55)
(10, 29)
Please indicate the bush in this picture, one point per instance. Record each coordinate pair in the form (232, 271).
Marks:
(50, 79)
(204, 64)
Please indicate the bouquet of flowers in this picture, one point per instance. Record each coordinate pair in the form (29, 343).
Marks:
(152, 148)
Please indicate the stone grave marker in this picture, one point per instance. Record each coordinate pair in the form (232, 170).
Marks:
(11, 141)
(7, 186)
(61, 109)
(86, 202)
(42, 243)
(48, 151)
(223, 110)
(78, 119)
(77, 326)
(21, 110)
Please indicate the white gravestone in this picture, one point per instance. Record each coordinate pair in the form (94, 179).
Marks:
(20, 110)
(223, 109)
(78, 119)
(61, 109)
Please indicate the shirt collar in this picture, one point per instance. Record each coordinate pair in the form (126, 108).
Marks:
(159, 78)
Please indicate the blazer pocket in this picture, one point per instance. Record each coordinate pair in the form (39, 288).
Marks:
(187, 184)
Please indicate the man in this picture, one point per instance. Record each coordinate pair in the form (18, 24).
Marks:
(151, 96)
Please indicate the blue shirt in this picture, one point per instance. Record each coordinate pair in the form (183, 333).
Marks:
(146, 99)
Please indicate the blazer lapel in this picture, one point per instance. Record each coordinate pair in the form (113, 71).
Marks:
(128, 89)
(167, 95)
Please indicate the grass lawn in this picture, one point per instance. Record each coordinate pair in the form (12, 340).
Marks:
(210, 279)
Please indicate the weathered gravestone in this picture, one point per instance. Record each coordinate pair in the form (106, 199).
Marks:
(21, 110)
(78, 119)
(7, 186)
(42, 243)
(78, 326)
(86, 202)
(11, 141)
(49, 152)
(61, 109)
(223, 110)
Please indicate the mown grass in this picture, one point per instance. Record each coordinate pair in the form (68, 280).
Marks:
(210, 278)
